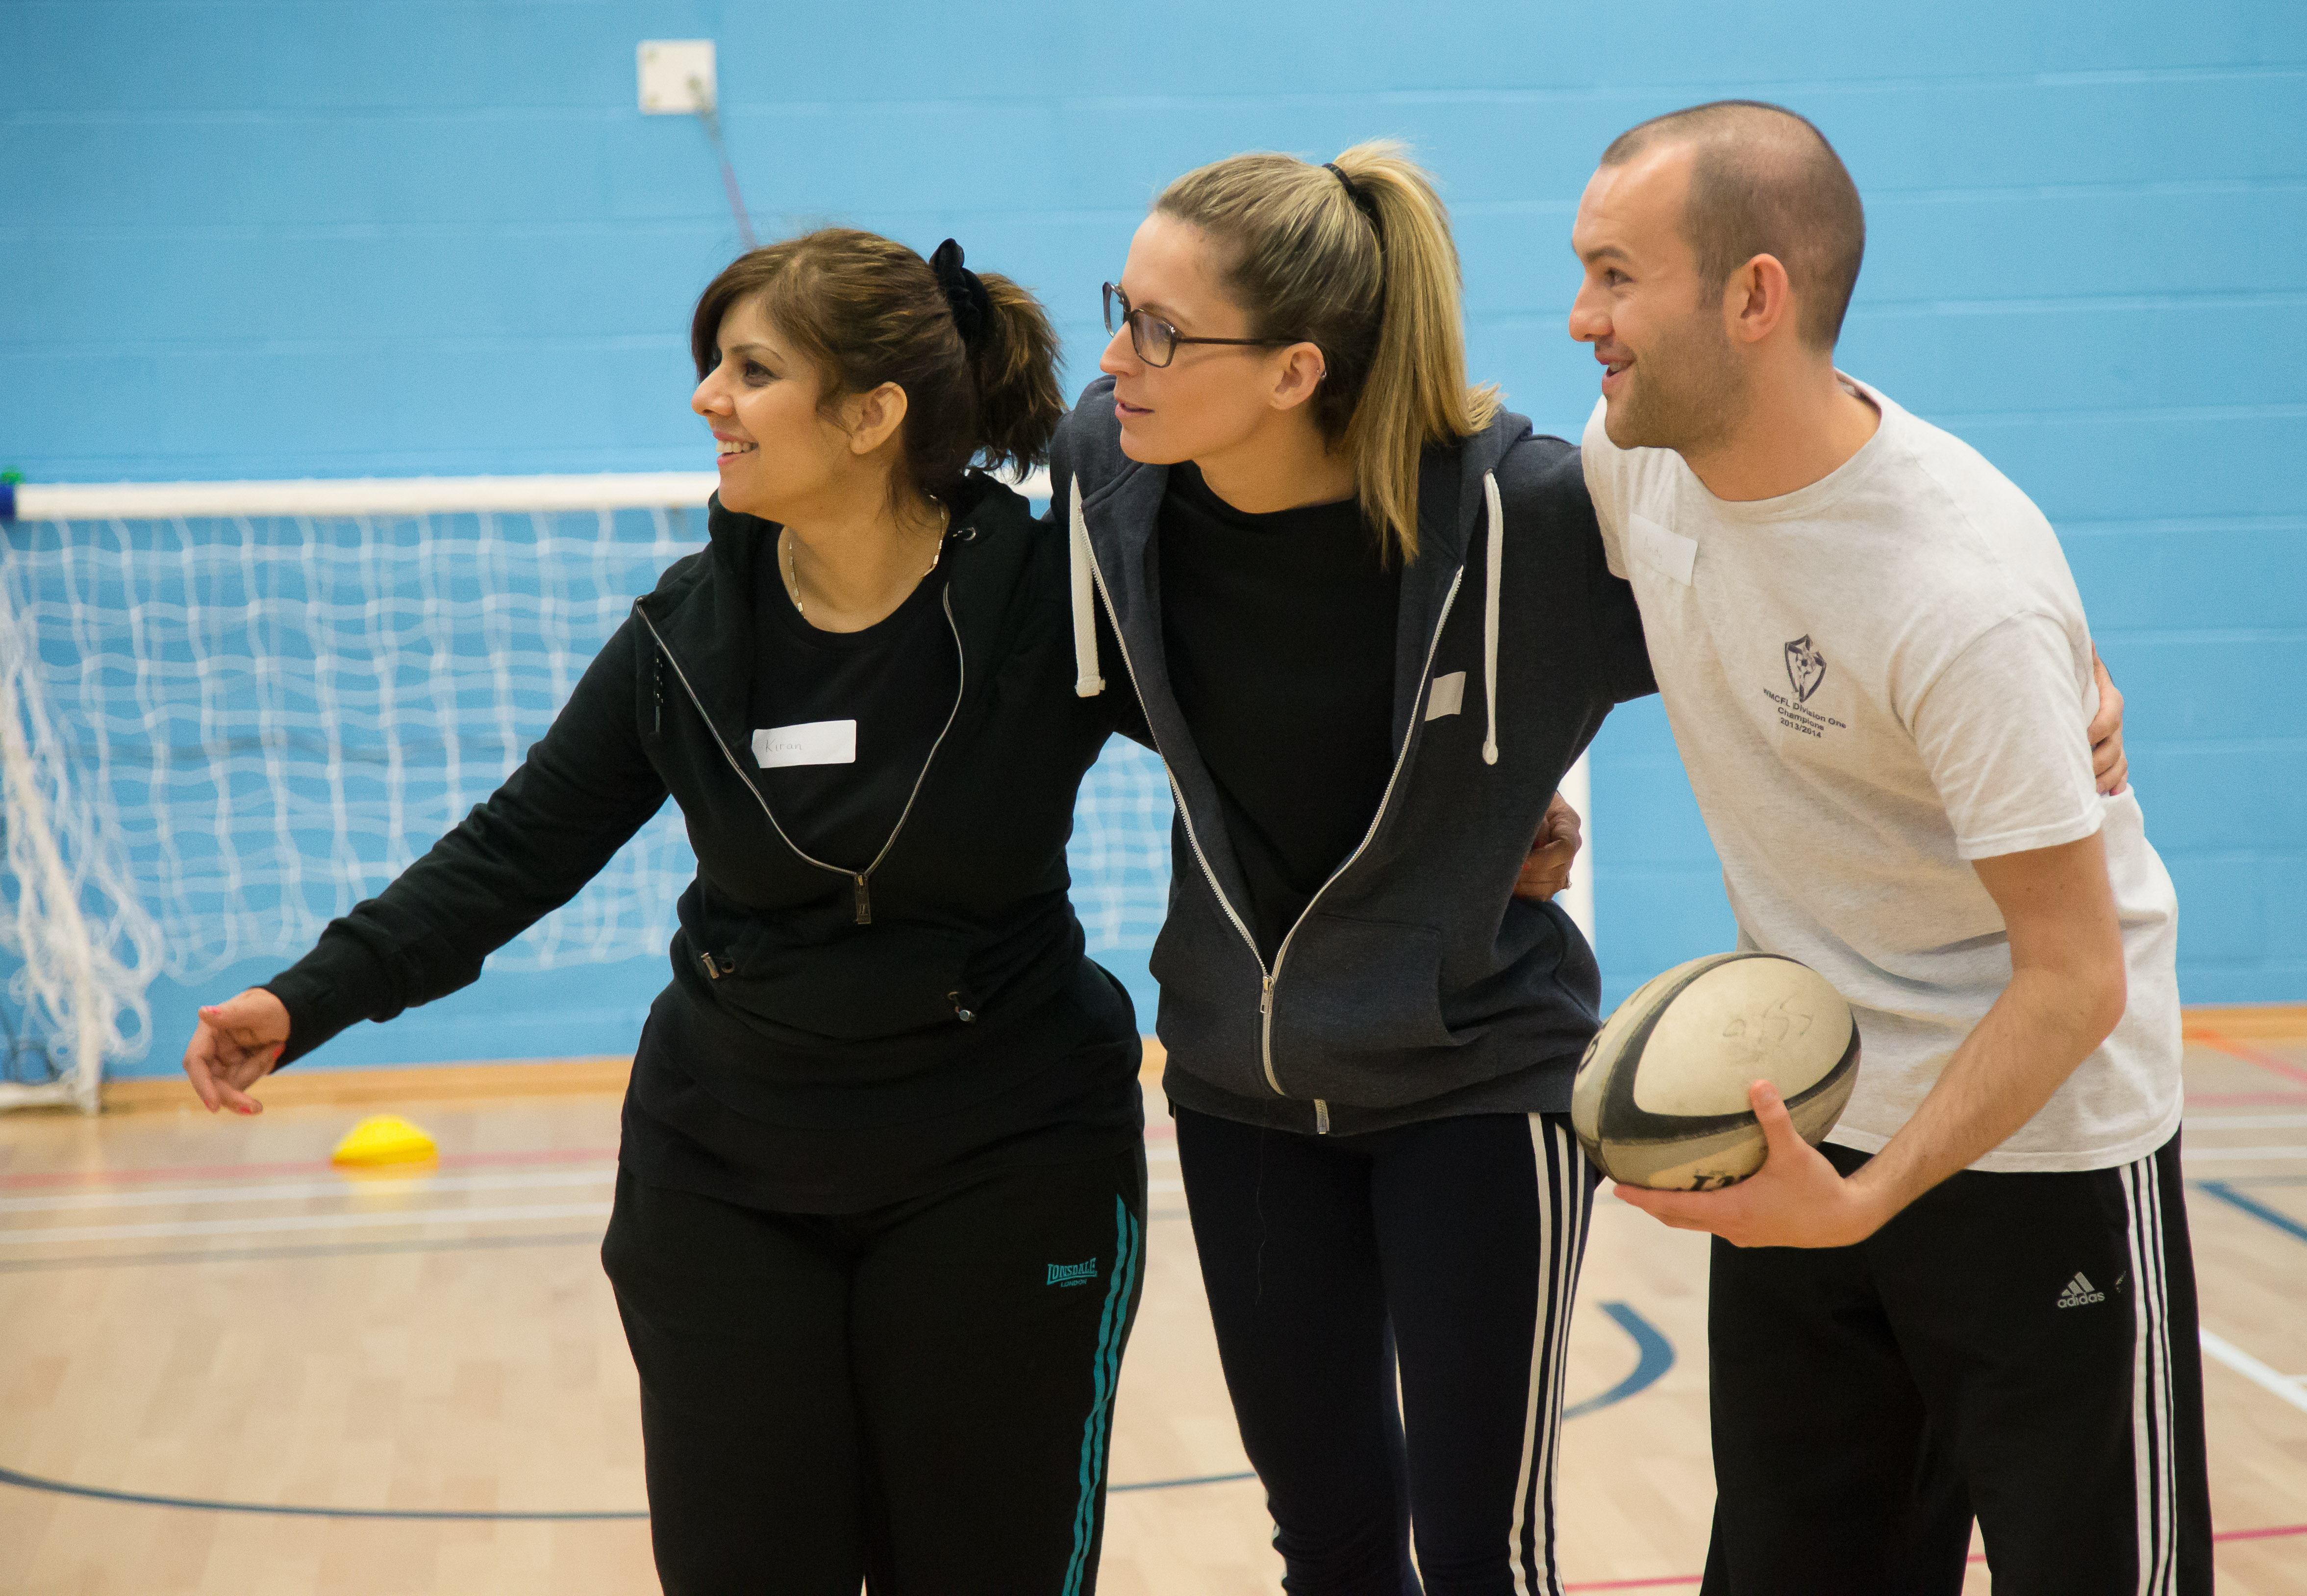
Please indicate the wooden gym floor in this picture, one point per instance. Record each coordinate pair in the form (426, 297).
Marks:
(228, 1368)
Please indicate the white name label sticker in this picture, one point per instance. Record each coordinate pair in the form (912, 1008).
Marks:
(1669, 554)
(811, 742)
(1448, 697)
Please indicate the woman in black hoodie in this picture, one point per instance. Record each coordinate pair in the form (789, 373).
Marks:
(881, 1192)
(1368, 618)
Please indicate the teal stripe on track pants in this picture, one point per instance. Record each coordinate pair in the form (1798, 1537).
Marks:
(920, 1394)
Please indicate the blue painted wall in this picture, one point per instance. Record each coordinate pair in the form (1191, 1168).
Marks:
(254, 240)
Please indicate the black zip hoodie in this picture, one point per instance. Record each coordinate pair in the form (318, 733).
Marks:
(1415, 984)
(805, 995)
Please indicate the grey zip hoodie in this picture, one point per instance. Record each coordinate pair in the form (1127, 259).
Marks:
(1416, 984)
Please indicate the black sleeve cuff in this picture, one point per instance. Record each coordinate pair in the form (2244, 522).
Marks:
(335, 986)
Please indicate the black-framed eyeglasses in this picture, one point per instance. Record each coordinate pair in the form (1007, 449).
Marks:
(1155, 339)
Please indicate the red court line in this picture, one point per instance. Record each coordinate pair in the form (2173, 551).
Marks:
(303, 1166)
(2269, 1533)
(133, 1175)
(2248, 1054)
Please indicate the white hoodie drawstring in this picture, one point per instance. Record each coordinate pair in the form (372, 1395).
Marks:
(1087, 682)
(1496, 575)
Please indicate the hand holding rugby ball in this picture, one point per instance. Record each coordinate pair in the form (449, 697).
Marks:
(1660, 1097)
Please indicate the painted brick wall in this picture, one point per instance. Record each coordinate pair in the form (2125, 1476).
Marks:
(312, 238)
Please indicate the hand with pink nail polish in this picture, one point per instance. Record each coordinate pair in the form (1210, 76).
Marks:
(237, 1044)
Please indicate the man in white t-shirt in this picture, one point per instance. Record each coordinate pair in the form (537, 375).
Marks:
(1978, 1298)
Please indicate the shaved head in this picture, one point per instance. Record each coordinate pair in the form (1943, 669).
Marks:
(1764, 182)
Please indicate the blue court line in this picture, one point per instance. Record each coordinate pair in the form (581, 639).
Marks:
(1195, 1480)
(2251, 1205)
(34, 1482)
(1655, 1356)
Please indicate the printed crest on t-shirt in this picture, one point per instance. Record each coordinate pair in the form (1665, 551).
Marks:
(1805, 672)
(1805, 667)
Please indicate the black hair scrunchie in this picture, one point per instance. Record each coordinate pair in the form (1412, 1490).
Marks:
(1357, 193)
(964, 296)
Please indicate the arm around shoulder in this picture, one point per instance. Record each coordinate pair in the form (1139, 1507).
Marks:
(1549, 493)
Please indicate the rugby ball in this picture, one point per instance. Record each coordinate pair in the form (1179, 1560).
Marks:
(1660, 1096)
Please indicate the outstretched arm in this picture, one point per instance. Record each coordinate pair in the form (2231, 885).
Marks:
(583, 791)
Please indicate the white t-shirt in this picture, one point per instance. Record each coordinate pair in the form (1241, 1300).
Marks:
(1873, 681)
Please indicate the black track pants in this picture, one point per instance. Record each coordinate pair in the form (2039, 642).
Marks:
(1450, 1247)
(919, 1397)
(2019, 1347)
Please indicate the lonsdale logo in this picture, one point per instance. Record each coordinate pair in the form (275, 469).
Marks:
(1073, 1274)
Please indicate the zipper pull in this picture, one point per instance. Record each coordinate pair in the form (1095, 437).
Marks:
(963, 1015)
(1321, 1117)
(1266, 999)
(864, 903)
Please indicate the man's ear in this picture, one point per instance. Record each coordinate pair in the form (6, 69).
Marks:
(1298, 376)
(1758, 300)
(873, 417)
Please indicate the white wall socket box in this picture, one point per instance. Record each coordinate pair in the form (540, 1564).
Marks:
(676, 76)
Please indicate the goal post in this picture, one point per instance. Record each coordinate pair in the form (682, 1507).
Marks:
(372, 497)
(58, 985)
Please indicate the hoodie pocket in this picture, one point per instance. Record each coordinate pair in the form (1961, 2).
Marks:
(1362, 986)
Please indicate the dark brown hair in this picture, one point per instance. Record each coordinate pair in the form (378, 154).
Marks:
(865, 310)
(1765, 182)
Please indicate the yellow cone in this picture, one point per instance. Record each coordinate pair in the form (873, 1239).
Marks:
(385, 1139)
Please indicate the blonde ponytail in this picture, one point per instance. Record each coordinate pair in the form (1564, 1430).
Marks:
(1377, 290)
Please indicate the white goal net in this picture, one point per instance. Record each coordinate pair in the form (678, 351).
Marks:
(233, 710)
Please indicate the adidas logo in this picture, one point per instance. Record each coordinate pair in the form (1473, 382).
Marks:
(2080, 1292)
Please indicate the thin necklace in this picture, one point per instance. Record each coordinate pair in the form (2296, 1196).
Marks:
(792, 582)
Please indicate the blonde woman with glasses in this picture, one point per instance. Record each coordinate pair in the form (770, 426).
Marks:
(1368, 614)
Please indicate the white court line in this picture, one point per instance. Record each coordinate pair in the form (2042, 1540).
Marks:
(2197, 1154)
(354, 1186)
(296, 1221)
(2250, 1369)
(2245, 1121)
(1170, 1154)
(1165, 1186)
